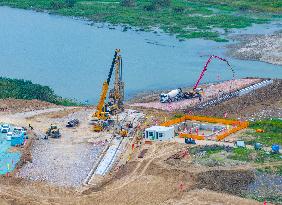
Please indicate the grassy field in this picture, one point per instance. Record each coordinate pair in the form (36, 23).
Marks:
(251, 155)
(272, 132)
(21, 89)
(185, 19)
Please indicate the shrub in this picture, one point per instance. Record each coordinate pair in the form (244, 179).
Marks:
(55, 4)
(70, 3)
(128, 3)
(161, 3)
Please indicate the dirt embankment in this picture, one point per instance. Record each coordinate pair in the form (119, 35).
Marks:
(17, 105)
(267, 48)
(263, 103)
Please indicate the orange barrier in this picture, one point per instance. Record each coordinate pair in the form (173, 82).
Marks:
(242, 125)
(238, 125)
(195, 137)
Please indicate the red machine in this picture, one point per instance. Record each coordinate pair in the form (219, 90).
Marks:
(205, 69)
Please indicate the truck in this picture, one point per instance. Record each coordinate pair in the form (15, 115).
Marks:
(178, 94)
(172, 96)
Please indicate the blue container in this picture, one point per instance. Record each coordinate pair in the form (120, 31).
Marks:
(275, 148)
(17, 140)
(258, 146)
(190, 141)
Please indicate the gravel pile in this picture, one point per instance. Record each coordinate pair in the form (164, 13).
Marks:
(64, 168)
(268, 186)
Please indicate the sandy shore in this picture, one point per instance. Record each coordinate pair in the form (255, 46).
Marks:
(266, 48)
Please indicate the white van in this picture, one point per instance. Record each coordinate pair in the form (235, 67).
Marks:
(9, 136)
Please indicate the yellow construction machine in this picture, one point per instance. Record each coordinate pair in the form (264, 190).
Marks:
(116, 95)
(101, 118)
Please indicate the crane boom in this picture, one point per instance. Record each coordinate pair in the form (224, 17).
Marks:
(105, 88)
(205, 69)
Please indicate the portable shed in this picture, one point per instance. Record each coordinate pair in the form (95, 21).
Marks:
(159, 133)
(17, 140)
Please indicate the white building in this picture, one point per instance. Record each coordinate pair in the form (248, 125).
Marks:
(159, 133)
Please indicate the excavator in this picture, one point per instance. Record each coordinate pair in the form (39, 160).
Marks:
(102, 116)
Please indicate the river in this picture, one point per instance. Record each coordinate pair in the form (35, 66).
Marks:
(74, 58)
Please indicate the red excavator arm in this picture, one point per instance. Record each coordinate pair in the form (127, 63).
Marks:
(205, 69)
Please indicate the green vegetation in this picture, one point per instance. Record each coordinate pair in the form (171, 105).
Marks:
(272, 132)
(271, 170)
(184, 18)
(251, 155)
(178, 115)
(22, 89)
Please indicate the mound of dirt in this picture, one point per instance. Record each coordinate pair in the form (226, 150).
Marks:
(227, 181)
(17, 105)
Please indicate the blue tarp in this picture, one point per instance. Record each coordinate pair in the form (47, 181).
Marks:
(8, 160)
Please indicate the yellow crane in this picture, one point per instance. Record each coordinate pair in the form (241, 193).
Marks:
(101, 116)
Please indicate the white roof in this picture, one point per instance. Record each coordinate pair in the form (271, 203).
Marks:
(159, 128)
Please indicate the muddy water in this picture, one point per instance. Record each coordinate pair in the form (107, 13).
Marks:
(74, 57)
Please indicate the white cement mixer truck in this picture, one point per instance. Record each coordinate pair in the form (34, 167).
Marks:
(172, 96)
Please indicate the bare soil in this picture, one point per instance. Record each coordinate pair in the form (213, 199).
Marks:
(17, 105)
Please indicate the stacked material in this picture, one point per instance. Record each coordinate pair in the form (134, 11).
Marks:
(211, 91)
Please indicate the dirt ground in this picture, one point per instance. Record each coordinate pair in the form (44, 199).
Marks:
(16, 105)
(147, 180)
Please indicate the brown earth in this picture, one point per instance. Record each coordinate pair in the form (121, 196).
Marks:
(17, 105)
(149, 180)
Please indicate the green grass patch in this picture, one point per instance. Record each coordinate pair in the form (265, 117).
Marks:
(185, 19)
(272, 134)
(271, 170)
(250, 155)
(22, 89)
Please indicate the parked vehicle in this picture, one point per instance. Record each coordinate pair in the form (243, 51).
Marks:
(9, 136)
(20, 130)
(5, 128)
(73, 123)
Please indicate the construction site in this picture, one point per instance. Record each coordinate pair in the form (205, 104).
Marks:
(198, 145)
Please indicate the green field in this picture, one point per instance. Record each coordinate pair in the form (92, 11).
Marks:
(22, 89)
(272, 132)
(185, 19)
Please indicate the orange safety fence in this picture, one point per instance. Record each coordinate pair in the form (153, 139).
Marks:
(242, 125)
(195, 137)
(238, 125)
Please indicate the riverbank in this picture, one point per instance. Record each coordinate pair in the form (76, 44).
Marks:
(26, 90)
(266, 48)
(185, 19)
